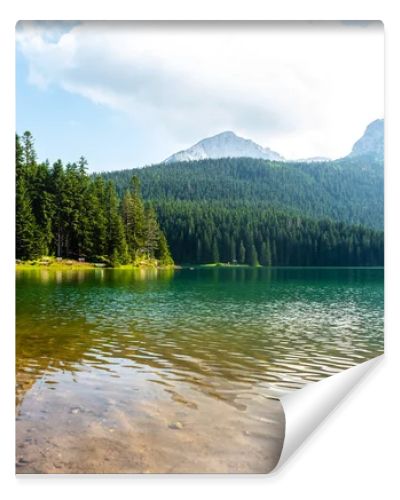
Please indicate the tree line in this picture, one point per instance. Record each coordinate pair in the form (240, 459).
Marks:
(202, 218)
(62, 211)
(204, 232)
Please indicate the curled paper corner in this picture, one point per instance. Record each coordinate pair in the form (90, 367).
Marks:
(308, 407)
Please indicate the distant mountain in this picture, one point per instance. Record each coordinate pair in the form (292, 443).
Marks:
(224, 200)
(372, 142)
(348, 190)
(224, 145)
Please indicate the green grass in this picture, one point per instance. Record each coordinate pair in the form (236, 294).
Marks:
(71, 264)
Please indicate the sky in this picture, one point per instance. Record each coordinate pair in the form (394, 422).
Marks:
(130, 94)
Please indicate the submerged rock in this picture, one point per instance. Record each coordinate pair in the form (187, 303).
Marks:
(22, 461)
(75, 410)
(176, 425)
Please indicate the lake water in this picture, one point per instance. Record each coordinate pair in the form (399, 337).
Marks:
(179, 371)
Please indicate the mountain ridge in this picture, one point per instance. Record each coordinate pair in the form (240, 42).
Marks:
(227, 144)
(371, 142)
(224, 145)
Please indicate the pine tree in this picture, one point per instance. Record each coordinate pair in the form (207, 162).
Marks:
(28, 153)
(115, 240)
(252, 258)
(138, 212)
(265, 255)
(274, 255)
(241, 253)
(199, 251)
(59, 218)
(98, 217)
(215, 252)
(162, 252)
(233, 251)
(151, 232)
(27, 246)
(207, 251)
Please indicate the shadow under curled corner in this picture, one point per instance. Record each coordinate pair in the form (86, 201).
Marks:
(306, 408)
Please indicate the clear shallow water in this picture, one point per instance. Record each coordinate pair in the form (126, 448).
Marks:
(162, 367)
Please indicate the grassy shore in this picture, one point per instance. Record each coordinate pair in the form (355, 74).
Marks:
(71, 264)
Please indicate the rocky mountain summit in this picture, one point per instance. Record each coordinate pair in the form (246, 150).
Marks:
(372, 141)
(224, 145)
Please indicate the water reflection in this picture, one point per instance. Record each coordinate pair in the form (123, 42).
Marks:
(224, 331)
(129, 371)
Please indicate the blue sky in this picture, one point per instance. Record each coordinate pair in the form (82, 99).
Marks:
(67, 126)
(129, 94)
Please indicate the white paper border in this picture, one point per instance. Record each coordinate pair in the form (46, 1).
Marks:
(354, 454)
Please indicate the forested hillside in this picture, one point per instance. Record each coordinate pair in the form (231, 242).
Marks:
(256, 211)
(240, 210)
(348, 190)
(63, 212)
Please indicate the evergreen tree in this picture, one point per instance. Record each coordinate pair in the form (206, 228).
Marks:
(274, 257)
(138, 212)
(162, 252)
(199, 253)
(115, 238)
(233, 251)
(128, 221)
(59, 217)
(215, 251)
(241, 253)
(151, 232)
(98, 217)
(27, 246)
(265, 255)
(252, 258)
(29, 153)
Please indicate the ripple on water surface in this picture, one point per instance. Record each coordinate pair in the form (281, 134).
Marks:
(203, 342)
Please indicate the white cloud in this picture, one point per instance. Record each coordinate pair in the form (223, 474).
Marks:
(302, 89)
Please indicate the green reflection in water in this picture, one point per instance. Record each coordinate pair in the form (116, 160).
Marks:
(231, 334)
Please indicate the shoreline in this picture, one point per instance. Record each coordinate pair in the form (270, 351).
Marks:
(72, 265)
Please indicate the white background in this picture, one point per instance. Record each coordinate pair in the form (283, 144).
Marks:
(355, 452)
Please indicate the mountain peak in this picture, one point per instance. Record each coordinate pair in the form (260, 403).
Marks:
(226, 133)
(224, 145)
(371, 142)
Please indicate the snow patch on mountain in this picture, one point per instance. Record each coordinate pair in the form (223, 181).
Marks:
(224, 145)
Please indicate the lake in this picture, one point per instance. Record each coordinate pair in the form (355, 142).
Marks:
(178, 370)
